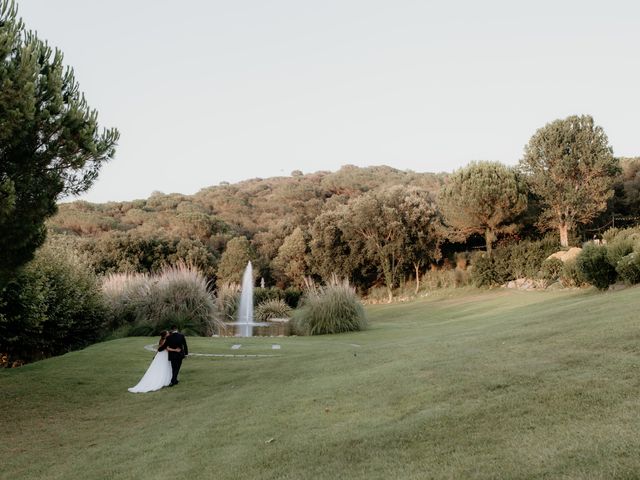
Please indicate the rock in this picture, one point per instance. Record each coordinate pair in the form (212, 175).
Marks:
(566, 255)
(525, 284)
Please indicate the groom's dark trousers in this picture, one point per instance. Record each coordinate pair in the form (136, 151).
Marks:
(176, 340)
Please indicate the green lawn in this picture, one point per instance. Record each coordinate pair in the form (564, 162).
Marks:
(498, 384)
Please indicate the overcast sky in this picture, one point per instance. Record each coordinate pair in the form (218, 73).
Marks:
(211, 91)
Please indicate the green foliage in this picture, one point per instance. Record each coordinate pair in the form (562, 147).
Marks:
(261, 295)
(618, 248)
(512, 261)
(572, 276)
(332, 249)
(552, 269)
(329, 309)
(269, 309)
(291, 262)
(570, 166)
(234, 260)
(384, 222)
(50, 141)
(51, 306)
(120, 252)
(484, 198)
(483, 271)
(527, 256)
(622, 246)
(628, 268)
(148, 304)
(291, 296)
(444, 278)
(594, 264)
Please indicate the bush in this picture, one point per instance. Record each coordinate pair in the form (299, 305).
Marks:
(571, 275)
(272, 309)
(291, 296)
(483, 271)
(594, 265)
(512, 261)
(52, 306)
(147, 304)
(618, 248)
(628, 268)
(528, 256)
(329, 309)
(551, 269)
(614, 234)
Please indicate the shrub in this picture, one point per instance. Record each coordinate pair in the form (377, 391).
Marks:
(291, 296)
(483, 271)
(444, 278)
(272, 309)
(512, 261)
(618, 248)
(571, 275)
(628, 268)
(375, 295)
(528, 256)
(551, 269)
(594, 265)
(613, 234)
(329, 309)
(52, 306)
(261, 295)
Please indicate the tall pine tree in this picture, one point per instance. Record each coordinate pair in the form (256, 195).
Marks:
(50, 145)
(570, 166)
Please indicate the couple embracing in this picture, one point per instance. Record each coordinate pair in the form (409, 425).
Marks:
(165, 366)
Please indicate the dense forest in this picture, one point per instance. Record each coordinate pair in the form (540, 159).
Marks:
(282, 224)
(377, 226)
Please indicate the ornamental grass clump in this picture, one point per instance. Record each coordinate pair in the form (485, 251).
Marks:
(180, 295)
(272, 309)
(141, 304)
(333, 308)
(123, 294)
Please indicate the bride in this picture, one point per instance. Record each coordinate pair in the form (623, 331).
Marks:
(158, 374)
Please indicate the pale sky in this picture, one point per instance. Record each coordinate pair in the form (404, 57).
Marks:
(211, 91)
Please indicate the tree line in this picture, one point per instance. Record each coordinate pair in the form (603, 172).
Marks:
(377, 226)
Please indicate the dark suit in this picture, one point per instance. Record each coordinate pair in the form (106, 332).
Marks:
(175, 340)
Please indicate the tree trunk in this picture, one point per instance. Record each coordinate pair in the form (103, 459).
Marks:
(388, 277)
(417, 277)
(488, 239)
(564, 235)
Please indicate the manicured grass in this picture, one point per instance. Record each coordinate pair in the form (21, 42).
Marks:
(496, 384)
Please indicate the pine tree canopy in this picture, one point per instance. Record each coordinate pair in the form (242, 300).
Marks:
(50, 145)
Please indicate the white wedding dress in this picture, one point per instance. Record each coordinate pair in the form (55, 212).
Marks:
(158, 374)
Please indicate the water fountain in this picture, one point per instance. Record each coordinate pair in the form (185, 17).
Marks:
(244, 324)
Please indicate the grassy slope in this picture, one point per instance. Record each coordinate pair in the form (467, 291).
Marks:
(477, 385)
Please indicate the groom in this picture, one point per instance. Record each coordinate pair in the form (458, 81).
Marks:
(176, 345)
